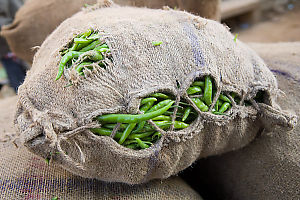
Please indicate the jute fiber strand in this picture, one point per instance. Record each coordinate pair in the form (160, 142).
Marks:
(51, 118)
(35, 20)
(269, 167)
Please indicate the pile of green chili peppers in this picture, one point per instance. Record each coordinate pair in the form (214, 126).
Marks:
(136, 132)
(84, 50)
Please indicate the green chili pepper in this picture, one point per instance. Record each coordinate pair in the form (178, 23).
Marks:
(160, 95)
(199, 83)
(90, 46)
(94, 37)
(218, 113)
(177, 124)
(157, 43)
(82, 41)
(80, 67)
(224, 98)
(193, 90)
(112, 126)
(126, 133)
(224, 107)
(68, 56)
(208, 91)
(145, 107)
(144, 101)
(160, 105)
(140, 135)
(200, 104)
(162, 118)
(217, 105)
(156, 136)
(105, 132)
(186, 113)
(142, 144)
(126, 118)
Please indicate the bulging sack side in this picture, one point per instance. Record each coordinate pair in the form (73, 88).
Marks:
(116, 60)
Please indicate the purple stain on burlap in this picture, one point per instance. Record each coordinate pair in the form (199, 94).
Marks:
(285, 74)
(196, 48)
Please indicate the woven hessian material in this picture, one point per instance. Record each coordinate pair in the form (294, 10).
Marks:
(24, 175)
(269, 168)
(52, 118)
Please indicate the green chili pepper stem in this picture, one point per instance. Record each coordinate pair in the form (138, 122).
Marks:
(200, 104)
(186, 113)
(141, 143)
(208, 91)
(224, 107)
(146, 100)
(126, 133)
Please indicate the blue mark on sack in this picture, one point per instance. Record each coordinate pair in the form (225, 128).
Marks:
(197, 53)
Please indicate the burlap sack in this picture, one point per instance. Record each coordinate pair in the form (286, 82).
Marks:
(52, 118)
(26, 176)
(34, 21)
(37, 19)
(269, 168)
(205, 8)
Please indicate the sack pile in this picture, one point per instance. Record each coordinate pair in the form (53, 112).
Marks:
(151, 51)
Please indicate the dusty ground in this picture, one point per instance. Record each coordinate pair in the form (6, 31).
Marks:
(280, 28)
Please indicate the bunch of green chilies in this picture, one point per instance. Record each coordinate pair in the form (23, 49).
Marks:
(83, 51)
(135, 131)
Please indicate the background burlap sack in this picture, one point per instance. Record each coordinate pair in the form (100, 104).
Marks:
(37, 19)
(205, 8)
(269, 168)
(26, 176)
(52, 118)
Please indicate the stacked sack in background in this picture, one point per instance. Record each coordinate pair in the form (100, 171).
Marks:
(96, 69)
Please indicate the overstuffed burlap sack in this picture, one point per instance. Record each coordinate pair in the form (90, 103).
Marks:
(37, 19)
(268, 168)
(53, 118)
(26, 176)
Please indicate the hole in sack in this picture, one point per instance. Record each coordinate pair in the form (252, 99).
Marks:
(262, 96)
(136, 131)
(84, 52)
